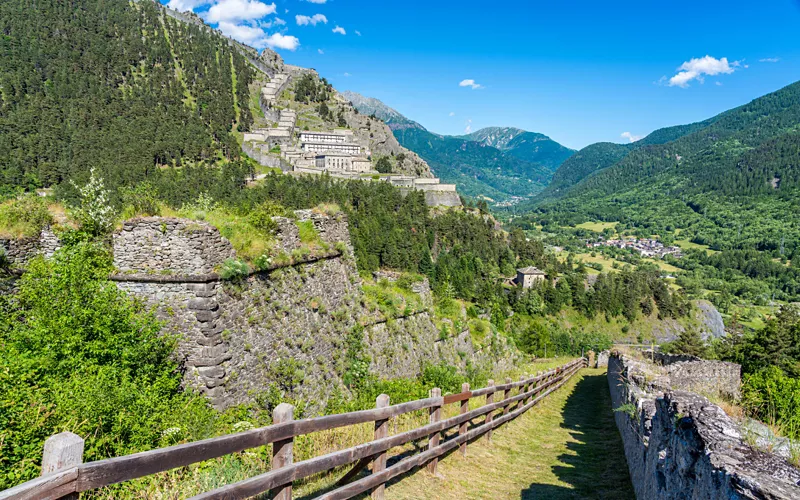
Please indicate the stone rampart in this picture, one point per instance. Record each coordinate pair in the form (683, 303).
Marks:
(284, 331)
(165, 245)
(20, 251)
(680, 445)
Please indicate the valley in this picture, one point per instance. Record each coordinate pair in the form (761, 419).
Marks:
(210, 252)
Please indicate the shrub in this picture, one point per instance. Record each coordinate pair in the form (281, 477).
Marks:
(307, 232)
(140, 201)
(24, 217)
(773, 397)
(79, 355)
(234, 270)
(95, 213)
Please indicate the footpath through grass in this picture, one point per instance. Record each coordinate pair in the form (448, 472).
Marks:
(566, 447)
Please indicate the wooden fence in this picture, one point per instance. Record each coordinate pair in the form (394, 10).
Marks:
(64, 475)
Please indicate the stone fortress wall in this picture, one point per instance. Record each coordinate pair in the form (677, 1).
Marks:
(680, 445)
(283, 330)
(20, 251)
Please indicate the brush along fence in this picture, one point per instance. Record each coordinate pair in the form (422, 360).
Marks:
(64, 475)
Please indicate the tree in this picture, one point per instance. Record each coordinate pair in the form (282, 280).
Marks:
(689, 342)
(384, 165)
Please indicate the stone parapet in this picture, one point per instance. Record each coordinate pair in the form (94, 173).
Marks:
(680, 445)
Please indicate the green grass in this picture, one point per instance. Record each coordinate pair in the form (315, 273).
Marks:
(597, 227)
(566, 447)
(688, 245)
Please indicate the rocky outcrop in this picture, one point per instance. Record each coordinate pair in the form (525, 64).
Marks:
(680, 445)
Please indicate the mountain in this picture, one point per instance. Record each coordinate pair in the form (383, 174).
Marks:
(476, 169)
(371, 106)
(497, 163)
(528, 146)
(596, 157)
(732, 181)
(122, 87)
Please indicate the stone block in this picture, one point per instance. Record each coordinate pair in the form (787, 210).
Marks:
(211, 371)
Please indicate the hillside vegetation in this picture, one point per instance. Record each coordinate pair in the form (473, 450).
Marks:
(495, 162)
(115, 85)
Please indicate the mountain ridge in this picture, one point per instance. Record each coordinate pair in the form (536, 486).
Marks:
(478, 167)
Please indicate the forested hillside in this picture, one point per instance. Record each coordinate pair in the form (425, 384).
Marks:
(596, 157)
(495, 162)
(730, 182)
(475, 168)
(114, 85)
(528, 146)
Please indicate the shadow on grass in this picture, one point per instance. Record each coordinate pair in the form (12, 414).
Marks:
(596, 466)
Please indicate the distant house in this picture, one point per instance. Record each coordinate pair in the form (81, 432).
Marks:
(529, 276)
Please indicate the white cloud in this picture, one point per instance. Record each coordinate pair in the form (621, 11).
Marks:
(269, 24)
(470, 83)
(316, 1)
(468, 128)
(770, 59)
(631, 137)
(718, 84)
(238, 10)
(278, 41)
(696, 69)
(340, 30)
(347, 74)
(257, 37)
(186, 5)
(358, 33)
(312, 20)
(452, 114)
(320, 51)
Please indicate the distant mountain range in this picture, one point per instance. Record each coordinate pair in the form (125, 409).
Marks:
(495, 162)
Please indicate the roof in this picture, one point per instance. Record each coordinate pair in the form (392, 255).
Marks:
(530, 270)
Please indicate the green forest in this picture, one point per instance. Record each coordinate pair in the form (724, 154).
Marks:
(116, 86)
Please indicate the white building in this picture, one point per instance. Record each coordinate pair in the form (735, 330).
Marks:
(340, 147)
(335, 162)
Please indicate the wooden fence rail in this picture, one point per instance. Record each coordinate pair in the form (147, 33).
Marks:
(68, 476)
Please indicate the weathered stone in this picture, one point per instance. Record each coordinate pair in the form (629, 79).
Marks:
(203, 304)
(680, 445)
(212, 371)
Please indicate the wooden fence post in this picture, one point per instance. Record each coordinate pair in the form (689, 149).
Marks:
(506, 395)
(522, 391)
(490, 415)
(381, 431)
(282, 450)
(462, 429)
(433, 439)
(62, 451)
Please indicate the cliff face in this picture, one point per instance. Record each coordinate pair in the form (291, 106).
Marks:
(285, 331)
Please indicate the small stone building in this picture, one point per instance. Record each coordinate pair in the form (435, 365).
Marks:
(528, 276)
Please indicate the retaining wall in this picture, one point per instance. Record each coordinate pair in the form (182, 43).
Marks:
(680, 445)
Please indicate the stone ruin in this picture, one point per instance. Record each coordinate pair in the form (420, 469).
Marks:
(678, 444)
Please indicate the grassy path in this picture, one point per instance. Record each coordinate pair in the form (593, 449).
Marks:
(565, 447)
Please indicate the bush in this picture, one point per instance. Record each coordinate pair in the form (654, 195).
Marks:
(140, 201)
(24, 217)
(233, 270)
(773, 397)
(95, 213)
(384, 165)
(79, 355)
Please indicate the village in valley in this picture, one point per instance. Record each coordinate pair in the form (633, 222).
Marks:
(646, 247)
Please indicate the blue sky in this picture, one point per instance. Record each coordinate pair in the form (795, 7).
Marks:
(579, 71)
